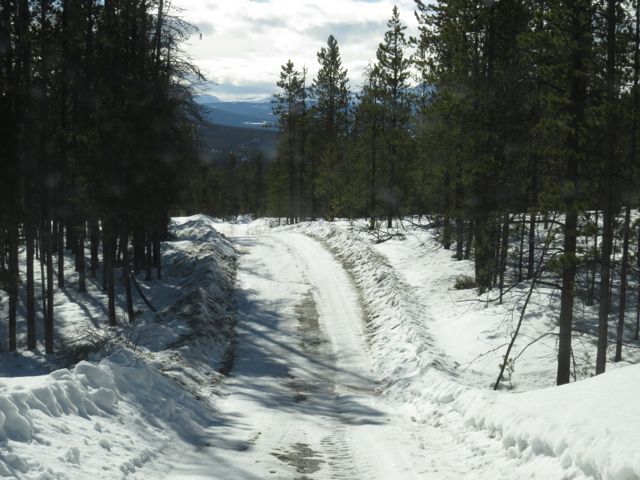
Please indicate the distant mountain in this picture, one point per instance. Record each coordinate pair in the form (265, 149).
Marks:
(204, 99)
(241, 128)
(218, 141)
(237, 114)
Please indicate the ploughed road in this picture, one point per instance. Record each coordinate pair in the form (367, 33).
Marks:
(302, 400)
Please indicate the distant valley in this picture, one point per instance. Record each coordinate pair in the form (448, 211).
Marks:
(237, 127)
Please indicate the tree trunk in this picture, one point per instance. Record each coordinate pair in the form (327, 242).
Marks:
(105, 257)
(108, 251)
(30, 291)
(566, 297)
(523, 227)
(592, 285)
(43, 261)
(609, 207)
(157, 256)
(94, 240)
(469, 244)
(80, 260)
(575, 151)
(60, 245)
(623, 283)
(637, 335)
(504, 250)
(14, 279)
(148, 257)
(446, 232)
(634, 134)
(48, 317)
(126, 272)
(459, 238)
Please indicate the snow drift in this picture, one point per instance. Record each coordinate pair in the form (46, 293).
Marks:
(108, 416)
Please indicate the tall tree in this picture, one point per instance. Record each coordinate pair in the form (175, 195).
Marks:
(330, 93)
(289, 106)
(393, 71)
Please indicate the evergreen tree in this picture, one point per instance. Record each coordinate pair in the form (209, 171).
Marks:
(330, 93)
(393, 72)
(290, 107)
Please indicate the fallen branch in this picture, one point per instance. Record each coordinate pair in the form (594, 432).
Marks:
(536, 275)
(139, 290)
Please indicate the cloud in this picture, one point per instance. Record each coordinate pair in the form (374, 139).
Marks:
(245, 42)
(205, 27)
(350, 32)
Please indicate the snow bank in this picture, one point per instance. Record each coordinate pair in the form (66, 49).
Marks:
(400, 340)
(58, 425)
(590, 427)
(107, 417)
(587, 429)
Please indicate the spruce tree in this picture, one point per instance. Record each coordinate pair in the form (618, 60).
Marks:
(330, 93)
(393, 72)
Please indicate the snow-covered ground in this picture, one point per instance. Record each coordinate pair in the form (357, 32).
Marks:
(418, 328)
(351, 360)
(143, 395)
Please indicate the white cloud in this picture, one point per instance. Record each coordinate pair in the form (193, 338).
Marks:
(244, 42)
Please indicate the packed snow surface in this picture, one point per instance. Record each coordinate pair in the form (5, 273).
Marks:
(583, 430)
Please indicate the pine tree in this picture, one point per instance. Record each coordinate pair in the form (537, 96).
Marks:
(394, 74)
(289, 106)
(330, 92)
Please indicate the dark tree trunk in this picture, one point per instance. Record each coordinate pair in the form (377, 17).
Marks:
(30, 291)
(577, 102)
(637, 335)
(484, 252)
(634, 134)
(504, 250)
(105, 257)
(108, 252)
(459, 238)
(609, 207)
(80, 259)
(139, 250)
(157, 256)
(469, 244)
(148, 258)
(126, 272)
(94, 240)
(48, 317)
(43, 247)
(446, 232)
(624, 269)
(60, 245)
(372, 179)
(592, 282)
(14, 279)
(523, 227)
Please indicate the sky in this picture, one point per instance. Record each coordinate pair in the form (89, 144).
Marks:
(245, 42)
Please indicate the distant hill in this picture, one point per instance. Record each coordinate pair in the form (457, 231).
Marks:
(237, 114)
(223, 116)
(218, 141)
(236, 127)
(204, 99)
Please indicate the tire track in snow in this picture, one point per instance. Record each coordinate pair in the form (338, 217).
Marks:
(301, 400)
(384, 447)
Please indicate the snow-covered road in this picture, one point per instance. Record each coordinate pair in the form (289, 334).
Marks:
(302, 400)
